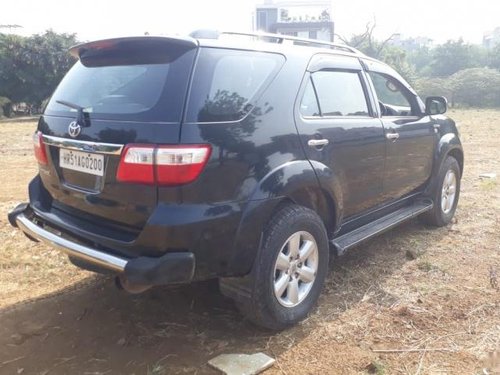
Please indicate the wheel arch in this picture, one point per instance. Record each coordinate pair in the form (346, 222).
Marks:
(315, 198)
(292, 183)
(449, 145)
(458, 154)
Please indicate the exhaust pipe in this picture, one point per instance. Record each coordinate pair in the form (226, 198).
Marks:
(123, 283)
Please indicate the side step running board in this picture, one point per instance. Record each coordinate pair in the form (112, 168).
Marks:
(348, 240)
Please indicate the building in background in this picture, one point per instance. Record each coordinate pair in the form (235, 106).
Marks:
(492, 39)
(410, 44)
(305, 19)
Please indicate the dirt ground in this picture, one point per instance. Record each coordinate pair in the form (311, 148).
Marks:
(415, 300)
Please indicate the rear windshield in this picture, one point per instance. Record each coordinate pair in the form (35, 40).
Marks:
(226, 83)
(136, 92)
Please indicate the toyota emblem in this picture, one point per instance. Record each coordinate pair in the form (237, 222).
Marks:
(74, 129)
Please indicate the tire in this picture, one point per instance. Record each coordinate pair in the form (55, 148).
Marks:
(446, 194)
(282, 292)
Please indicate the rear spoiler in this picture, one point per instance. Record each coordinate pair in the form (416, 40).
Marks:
(160, 47)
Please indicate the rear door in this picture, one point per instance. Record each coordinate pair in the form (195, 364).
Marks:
(129, 90)
(410, 135)
(339, 129)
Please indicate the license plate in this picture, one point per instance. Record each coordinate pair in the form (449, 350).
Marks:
(82, 161)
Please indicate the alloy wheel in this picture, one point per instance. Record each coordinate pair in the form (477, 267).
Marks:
(449, 191)
(295, 269)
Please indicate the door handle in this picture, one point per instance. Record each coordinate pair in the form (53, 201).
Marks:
(392, 136)
(317, 142)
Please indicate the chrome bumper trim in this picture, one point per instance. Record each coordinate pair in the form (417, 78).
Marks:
(73, 249)
(85, 146)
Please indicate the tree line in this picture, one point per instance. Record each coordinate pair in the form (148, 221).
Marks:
(467, 74)
(31, 67)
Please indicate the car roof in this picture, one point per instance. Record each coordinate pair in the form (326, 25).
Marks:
(263, 46)
(270, 42)
(236, 40)
(307, 48)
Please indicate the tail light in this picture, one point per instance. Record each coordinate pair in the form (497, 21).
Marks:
(162, 165)
(39, 148)
(136, 165)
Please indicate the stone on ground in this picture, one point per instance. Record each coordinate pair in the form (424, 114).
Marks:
(242, 364)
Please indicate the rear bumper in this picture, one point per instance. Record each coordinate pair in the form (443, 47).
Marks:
(179, 242)
(167, 269)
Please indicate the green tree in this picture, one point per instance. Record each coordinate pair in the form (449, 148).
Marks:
(367, 43)
(494, 57)
(398, 59)
(477, 87)
(5, 106)
(421, 59)
(453, 56)
(31, 67)
(381, 50)
(434, 87)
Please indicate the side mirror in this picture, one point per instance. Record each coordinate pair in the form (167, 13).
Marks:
(436, 105)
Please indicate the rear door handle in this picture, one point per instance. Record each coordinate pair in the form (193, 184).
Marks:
(392, 136)
(317, 142)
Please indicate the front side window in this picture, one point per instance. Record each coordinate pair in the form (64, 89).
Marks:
(394, 98)
(338, 93)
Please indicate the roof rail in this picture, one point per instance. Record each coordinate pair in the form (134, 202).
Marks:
(281, 39)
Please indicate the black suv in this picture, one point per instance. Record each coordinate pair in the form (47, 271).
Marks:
(240, 157)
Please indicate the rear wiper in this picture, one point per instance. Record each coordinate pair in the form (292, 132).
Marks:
(82, 117)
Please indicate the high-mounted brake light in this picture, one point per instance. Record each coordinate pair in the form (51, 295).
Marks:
(162, 165)
(103, 44)
(39, 148)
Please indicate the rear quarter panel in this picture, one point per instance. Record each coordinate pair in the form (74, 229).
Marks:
(245, 155)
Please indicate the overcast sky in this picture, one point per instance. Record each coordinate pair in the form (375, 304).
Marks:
(94, 19)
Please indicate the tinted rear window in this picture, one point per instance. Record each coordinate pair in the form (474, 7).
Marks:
(134, 92)
(226, 83)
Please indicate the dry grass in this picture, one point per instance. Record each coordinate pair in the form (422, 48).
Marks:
(382, 311)
(26, 269)
(439, 313)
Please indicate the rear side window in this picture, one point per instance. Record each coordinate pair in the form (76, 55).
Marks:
(132, 92)
(226, 83)
(309, 104)
(339, 93)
